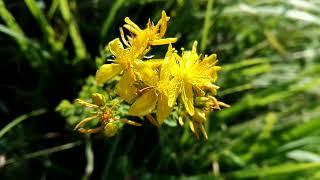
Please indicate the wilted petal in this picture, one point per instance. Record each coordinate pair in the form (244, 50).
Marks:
(163, 110)
(107, 71)
(125, 88)
(187, 98)
(144, 104)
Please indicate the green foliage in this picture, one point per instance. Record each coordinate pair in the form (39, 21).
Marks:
(270, 58)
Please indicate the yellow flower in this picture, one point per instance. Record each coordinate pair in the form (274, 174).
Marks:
(142, 39)
(191, 73)
(155, 93)
(123, 62)
(126, 58)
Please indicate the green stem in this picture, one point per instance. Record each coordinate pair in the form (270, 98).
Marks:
(10, 21)
(207, 24)
(54, 6)
(90, 159)
(110, 18)
(46, 28)
(45, 152)
(79, 46)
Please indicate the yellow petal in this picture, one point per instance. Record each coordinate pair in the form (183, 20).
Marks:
(163, 23)
(210, 60)
(154, 63)
(187, 98)
(145, 73)
(190, 59)
(131, 23)
(163, 110)
(125, 87)
(107, 71)
(144, 104)
(131, 29)
(157, 42)
(174, 89)
(116, 48)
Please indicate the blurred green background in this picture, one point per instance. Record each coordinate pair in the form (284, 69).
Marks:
(269, 51)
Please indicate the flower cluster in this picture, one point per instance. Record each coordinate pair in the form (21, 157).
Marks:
(155, 88)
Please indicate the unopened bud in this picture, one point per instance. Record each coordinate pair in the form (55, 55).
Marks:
(111, 129)
(201, 101)
(98, 99)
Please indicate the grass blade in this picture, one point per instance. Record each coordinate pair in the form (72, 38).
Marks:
(19, 119)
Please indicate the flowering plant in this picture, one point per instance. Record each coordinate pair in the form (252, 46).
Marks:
(182, 84)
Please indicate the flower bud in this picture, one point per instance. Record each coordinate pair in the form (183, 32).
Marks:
(201, 101)
(98, 99)
(111, 129)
